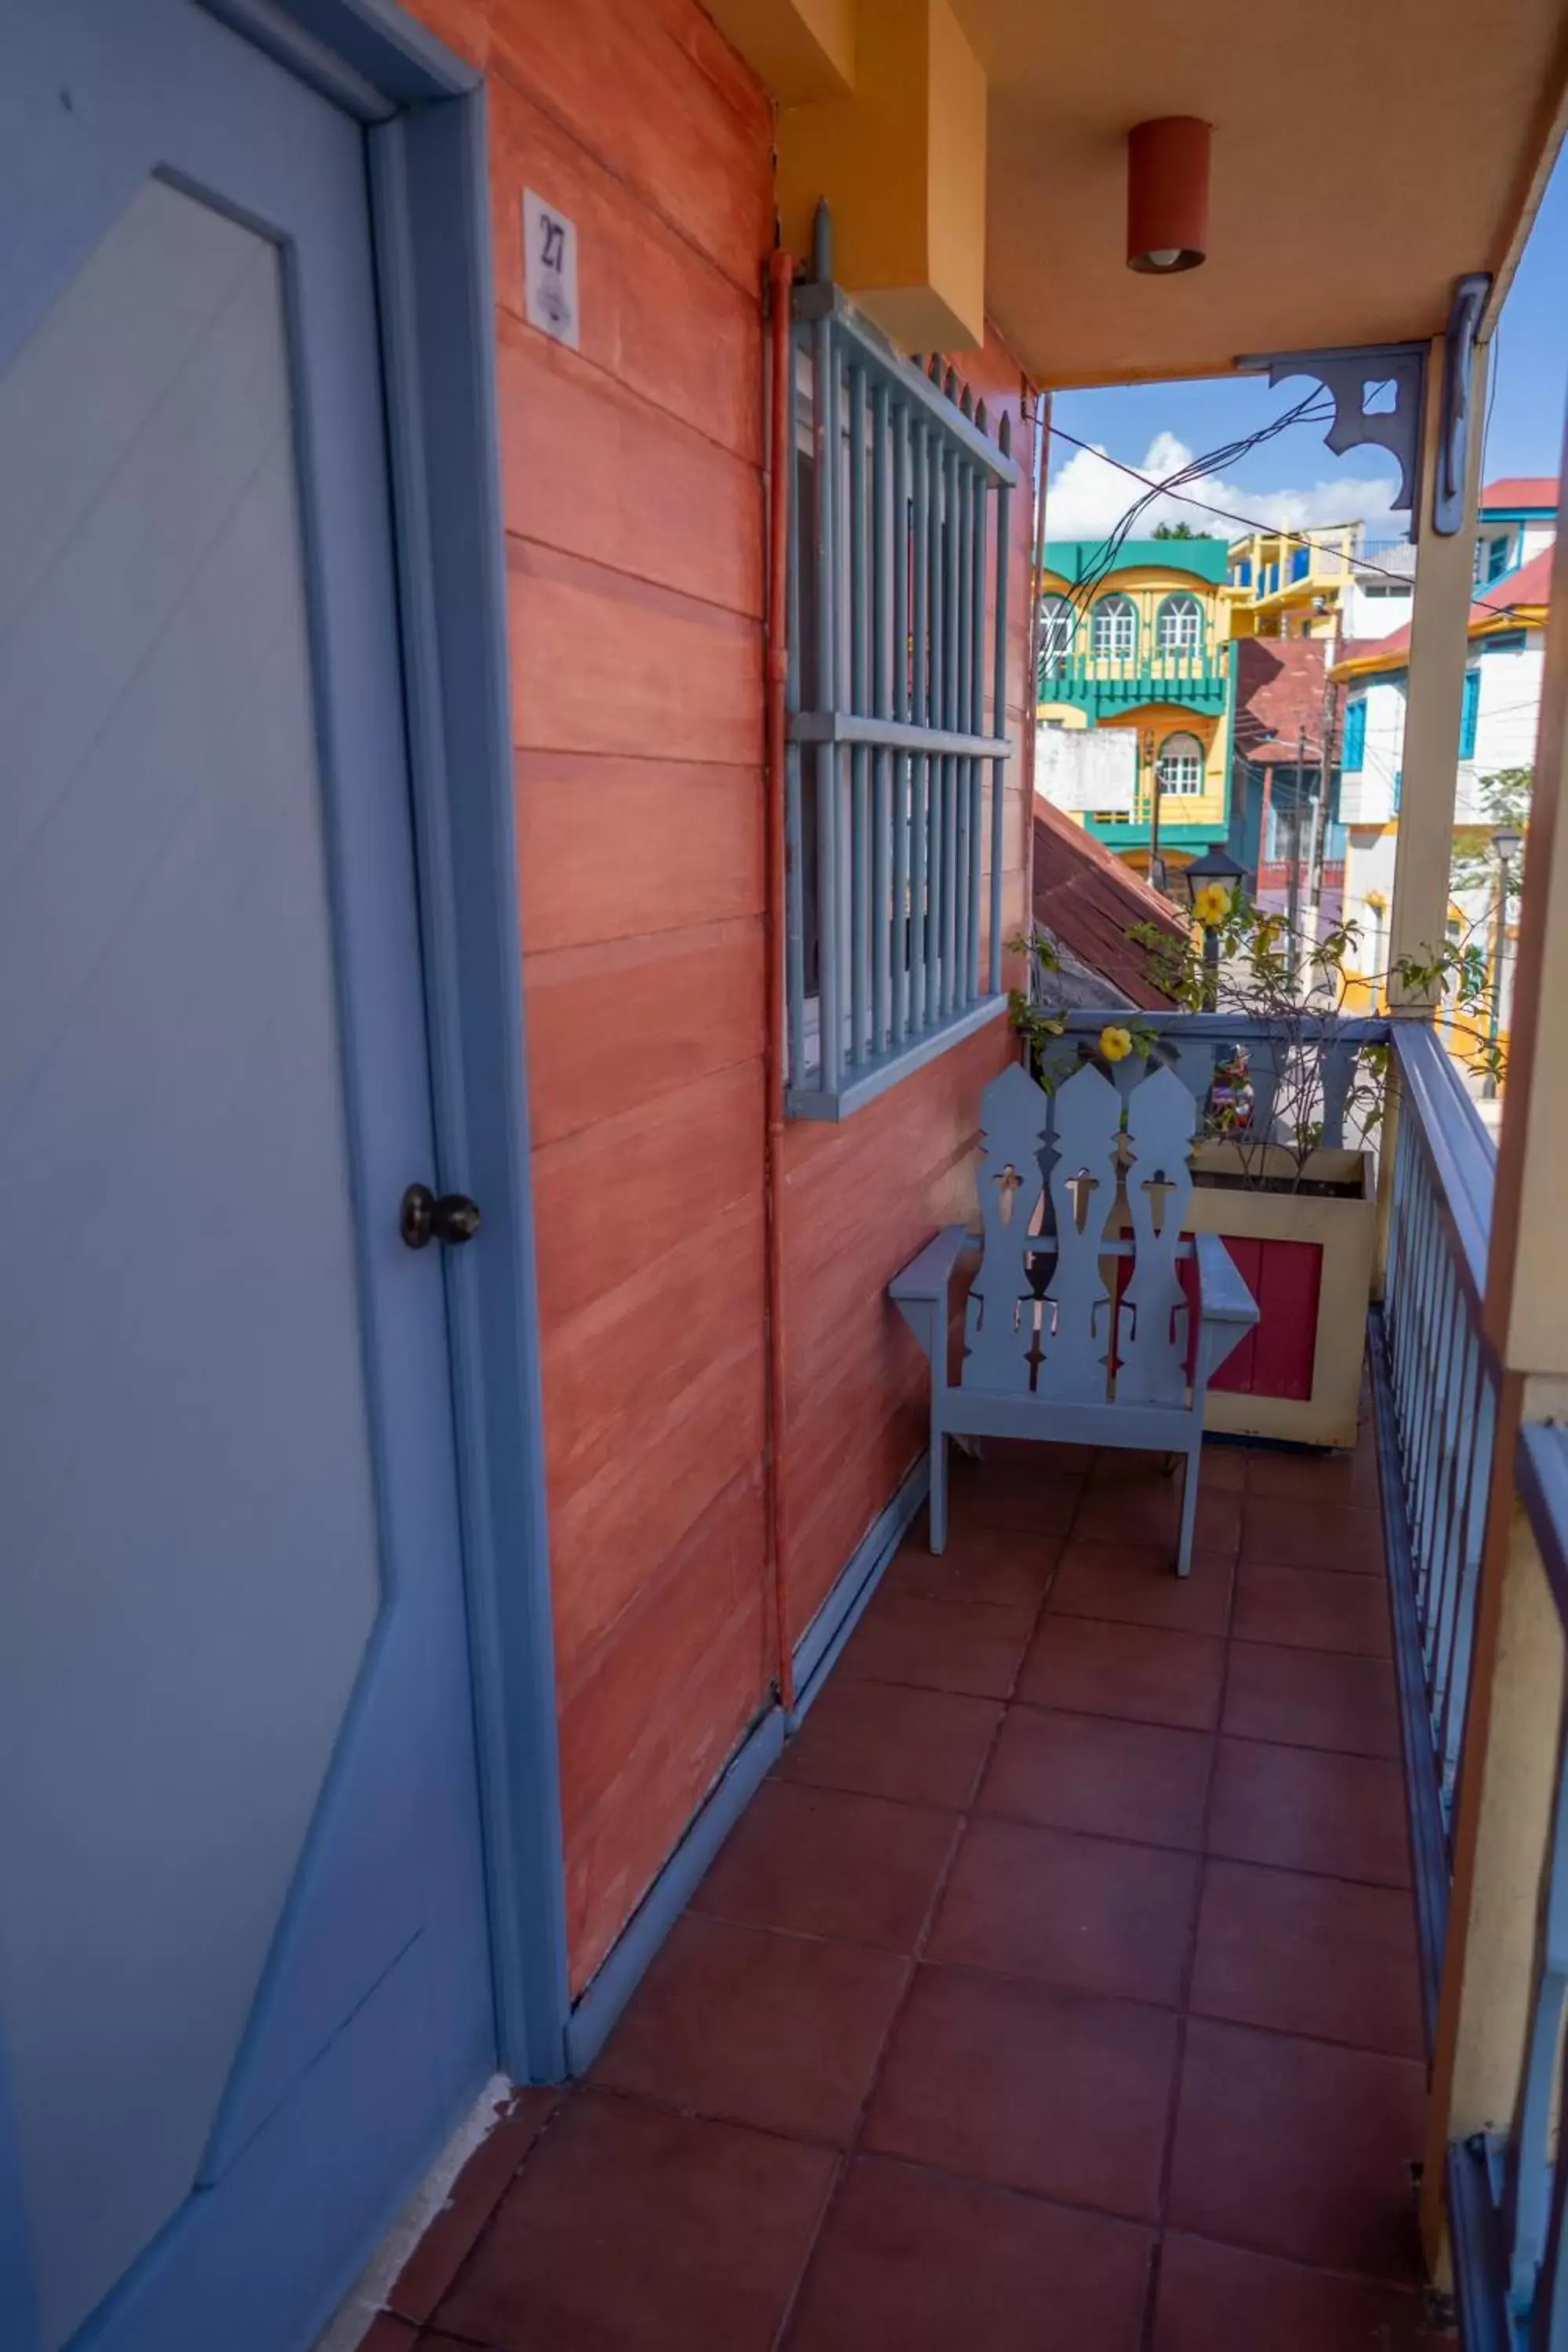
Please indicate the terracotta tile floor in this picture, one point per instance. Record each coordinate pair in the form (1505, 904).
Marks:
(1057, 1993)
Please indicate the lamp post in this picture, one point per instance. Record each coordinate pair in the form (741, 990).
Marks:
(1506, 843)
(1215, 866)
(1156, 863)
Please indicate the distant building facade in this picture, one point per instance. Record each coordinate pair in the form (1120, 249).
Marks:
(1141, 647)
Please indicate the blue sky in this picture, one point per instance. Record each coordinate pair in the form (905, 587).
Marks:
(1295, 480)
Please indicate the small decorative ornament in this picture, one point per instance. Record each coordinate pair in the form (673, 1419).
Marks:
(1115, 1045)
(1212, 905)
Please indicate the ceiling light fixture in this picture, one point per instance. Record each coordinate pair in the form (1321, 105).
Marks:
(1168, 194)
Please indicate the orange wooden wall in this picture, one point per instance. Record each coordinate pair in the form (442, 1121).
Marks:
(634, 515)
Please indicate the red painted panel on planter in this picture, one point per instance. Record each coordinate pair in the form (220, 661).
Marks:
(1284, 1340)
(1274, 1359)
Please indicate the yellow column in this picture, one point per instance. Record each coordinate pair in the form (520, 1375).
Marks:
(1445, 571)
(901, 161)
(1527, 1289)
(1500, 1839)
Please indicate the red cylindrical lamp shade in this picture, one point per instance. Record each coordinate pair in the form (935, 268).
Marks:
(1168, 194)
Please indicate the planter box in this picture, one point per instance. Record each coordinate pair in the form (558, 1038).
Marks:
(1307, 1259)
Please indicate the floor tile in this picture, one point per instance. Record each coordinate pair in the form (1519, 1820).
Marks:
(1073, 1910)
(644, 2231)
(1314, 1477)
(1031, 2086)
(938, 1645)
(886, 1740)
(1014, 1491)
(1090, 1772)
(1311, 1698)
(1209, 2294)
(1141, 1672)
(1011, 1567)
(1312, 1609)
(782, 2031)
(469, 2202)
(1134, 1511)
(927, 2263)
(1304, 1809)
(388, 2333)
(825, 1862)
(1224, 1467)
(1295, 2148)
(1313, 1955)
(1137, 1584)
(1340, 1537)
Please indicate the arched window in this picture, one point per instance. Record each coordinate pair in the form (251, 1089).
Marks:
(1056, 634)
(1116, 628)
(1181, 768)
(1181, 626)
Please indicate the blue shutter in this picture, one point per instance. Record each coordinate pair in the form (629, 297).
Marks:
(1355, 753)
(1467, 712)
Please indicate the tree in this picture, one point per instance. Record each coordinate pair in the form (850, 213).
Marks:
(1179, 531)
(1505, 799)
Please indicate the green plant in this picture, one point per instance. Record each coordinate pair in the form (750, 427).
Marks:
(1287, 991)
(1505, 798)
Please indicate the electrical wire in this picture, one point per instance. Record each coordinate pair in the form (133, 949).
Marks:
(1301, 415)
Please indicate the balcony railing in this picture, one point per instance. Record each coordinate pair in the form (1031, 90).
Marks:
(1437, 1409)
(1437, 1412)
(1195, 677)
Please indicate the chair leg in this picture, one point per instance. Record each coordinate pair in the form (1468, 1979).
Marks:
(1189, 1513)
(937, 1506)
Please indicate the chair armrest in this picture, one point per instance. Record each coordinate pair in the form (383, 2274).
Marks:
(921, 1291)
(1222, 1296)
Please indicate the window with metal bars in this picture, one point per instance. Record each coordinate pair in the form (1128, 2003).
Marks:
(898, 629)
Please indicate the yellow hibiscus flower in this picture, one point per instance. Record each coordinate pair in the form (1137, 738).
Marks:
(1212, 905)
(1116, 1044)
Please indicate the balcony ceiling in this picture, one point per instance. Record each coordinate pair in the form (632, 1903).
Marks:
(1364, 157)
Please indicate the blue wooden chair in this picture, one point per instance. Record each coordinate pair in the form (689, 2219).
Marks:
(1049, 1352)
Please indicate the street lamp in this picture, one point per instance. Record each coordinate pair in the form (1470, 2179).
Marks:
(1214, 867)
(1506, 843)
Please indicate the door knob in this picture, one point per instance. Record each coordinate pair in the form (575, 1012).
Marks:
(423, 1219)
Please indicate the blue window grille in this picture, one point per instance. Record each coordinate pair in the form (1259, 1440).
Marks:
(1469, 710)
(1506, 641)
(1353, 755)
(894, 788)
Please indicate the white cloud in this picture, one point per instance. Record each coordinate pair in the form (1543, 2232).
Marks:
(1089, 496)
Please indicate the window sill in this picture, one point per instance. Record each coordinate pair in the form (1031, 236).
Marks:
(862, 1085)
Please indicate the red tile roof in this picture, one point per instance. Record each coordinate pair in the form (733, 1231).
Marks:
(1279, 697)
(1520, 490)
(1087, 899)
(1530, 585)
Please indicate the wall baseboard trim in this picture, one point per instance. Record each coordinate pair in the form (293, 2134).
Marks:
(818, 1649)
(620, 1973)
(817, 1654)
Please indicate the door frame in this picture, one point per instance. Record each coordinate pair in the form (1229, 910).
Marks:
(423, 111)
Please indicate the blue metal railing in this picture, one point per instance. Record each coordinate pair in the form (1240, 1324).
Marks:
(1304, 1076)
(1437, 1396)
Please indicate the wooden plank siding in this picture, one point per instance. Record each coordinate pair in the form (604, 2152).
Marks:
(634, 514)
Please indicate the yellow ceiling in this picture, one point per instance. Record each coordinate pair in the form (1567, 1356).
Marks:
(1366, 153)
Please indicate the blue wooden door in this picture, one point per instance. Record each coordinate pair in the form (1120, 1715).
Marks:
(243, 1985)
